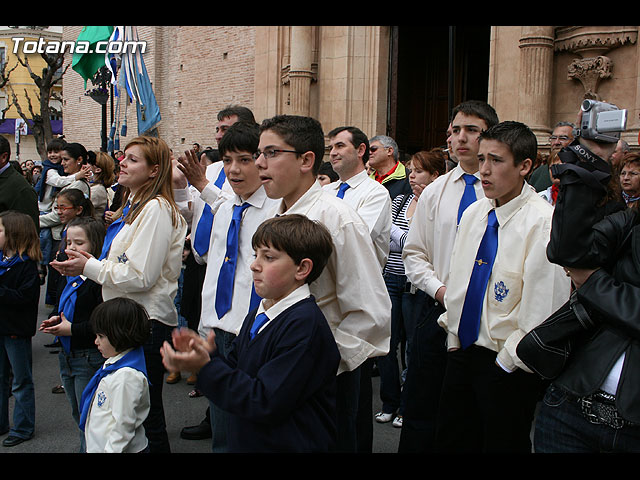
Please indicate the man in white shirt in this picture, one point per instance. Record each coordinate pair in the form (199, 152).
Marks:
(349, 152)
(426, 256)
(488, 395)
(289, 157)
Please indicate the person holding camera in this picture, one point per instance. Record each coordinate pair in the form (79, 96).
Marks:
(593, 404)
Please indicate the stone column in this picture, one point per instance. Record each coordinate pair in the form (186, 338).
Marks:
(536, 71)
(300, 73)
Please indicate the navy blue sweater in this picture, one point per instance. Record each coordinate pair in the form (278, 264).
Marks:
(278, 388)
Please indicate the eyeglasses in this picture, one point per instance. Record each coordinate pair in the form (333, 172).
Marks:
(272, 152)
(58, 208)
(562, 138)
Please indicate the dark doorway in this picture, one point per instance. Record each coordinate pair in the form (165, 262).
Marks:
(423, 60)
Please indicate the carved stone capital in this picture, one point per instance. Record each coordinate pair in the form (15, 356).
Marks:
(590, 71)
(592, 41)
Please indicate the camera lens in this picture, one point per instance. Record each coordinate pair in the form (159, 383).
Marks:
(586, 105)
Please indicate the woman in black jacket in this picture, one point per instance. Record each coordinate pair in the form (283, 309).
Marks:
(594, 404)
(19, 295)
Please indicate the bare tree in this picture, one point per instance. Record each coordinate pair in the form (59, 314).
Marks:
(41, 115)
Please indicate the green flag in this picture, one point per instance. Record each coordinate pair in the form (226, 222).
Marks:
(88, 63)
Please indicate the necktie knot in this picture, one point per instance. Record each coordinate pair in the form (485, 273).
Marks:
(469, 194)
(238, 209)
(259, 321)
(343, 188)
(469, 179)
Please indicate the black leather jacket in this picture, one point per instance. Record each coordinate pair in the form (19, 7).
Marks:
(585, 234)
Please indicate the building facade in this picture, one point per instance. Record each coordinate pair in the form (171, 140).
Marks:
(21, 41)
(401, 81)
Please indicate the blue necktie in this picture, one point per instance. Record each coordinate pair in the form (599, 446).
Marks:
(469, 194)
(224, 290)
(472, 308)
(342, 189)
(259, 321)
(203, 229)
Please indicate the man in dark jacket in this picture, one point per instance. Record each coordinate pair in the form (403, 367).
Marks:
(15, 192)
(596, 397)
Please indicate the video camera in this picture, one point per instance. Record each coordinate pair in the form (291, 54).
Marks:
(602, 121)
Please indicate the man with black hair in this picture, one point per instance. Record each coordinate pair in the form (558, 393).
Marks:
(500, 286)
(426, 256)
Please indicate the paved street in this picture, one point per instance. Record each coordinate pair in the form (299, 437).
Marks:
(56, 431)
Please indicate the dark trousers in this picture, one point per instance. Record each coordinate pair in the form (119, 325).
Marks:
(484, 409)
(155, 425)
(425, 372)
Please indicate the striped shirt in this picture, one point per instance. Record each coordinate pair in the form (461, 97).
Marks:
(399, 218)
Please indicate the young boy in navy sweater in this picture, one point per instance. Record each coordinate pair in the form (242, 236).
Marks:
(278, 380)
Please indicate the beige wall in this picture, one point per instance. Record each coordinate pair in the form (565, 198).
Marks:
(339, 74)
(511, 69)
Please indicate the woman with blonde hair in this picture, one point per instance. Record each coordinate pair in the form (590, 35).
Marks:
(142, 258)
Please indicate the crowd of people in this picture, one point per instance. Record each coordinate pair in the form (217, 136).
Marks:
(282, 282)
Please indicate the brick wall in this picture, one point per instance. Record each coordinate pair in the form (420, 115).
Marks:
(195, 71)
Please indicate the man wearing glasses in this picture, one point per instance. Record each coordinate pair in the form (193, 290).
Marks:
(561, 136)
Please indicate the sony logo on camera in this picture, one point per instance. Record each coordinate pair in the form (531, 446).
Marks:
(602, 122)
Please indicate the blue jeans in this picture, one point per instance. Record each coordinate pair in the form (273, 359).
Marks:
(561, 428)
(15, 355)
(390, 387)
(76, 369)
(46, 244)
(220, 418)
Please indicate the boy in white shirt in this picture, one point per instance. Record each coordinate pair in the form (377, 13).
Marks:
(252, 206)
(488, 394)
(289, 157)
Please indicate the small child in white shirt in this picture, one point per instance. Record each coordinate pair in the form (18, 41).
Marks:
(115, 403)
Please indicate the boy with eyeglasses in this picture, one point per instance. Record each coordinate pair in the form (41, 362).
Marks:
(290, 154)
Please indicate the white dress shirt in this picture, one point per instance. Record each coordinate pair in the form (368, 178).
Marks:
(277, 308)
(191, 201)
(118, 409)
(262, 207)
(427, 249)
(372, 202)
(350, 291)
(524, 287)
(144, 262)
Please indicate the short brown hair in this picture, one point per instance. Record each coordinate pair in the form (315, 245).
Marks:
(20, 234)
(299, 237)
